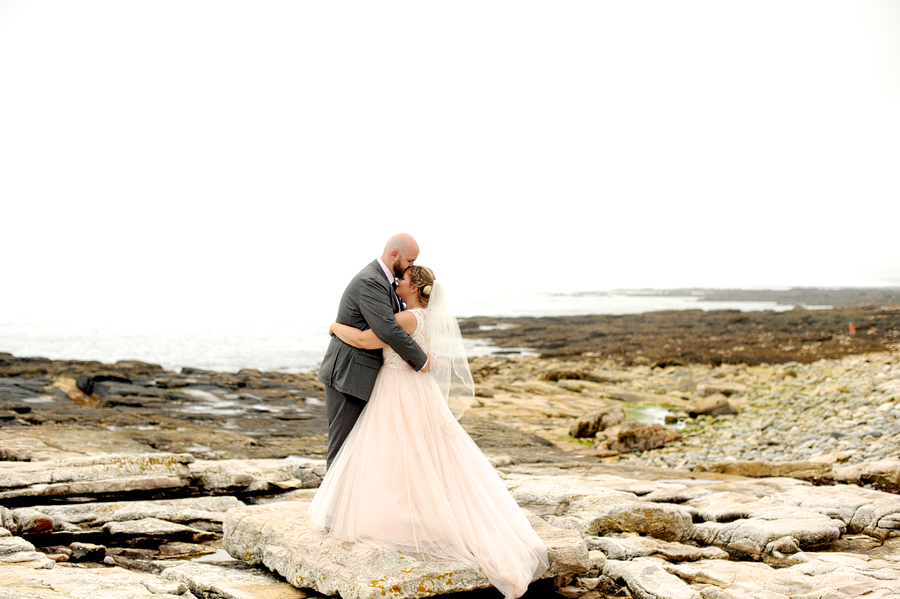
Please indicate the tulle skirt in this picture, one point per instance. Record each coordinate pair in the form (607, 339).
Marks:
(410, 478)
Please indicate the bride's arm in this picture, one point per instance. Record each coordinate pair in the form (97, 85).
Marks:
(367, 339)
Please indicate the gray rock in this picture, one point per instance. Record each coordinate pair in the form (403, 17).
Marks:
(821, 575)
(185, 510)
(712, 405)
(106, 388)
(647, 578)
(256, 476)
(94, 475)
(8, 520)
(29, 520)
(620, 548)
(721, 387)
(86, 382)
(750, 536)
(595, 510)
(156, 529)
(631, 546)
(16, 551)
(87, 552)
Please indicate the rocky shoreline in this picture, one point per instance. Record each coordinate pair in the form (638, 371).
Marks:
(682, 337)
(649, 475)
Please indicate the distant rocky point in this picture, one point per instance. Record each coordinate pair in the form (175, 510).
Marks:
(681, 337)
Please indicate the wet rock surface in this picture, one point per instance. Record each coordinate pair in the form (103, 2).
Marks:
(678, 338)
(210, 415)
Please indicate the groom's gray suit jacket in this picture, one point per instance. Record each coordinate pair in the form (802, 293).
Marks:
(367, 303)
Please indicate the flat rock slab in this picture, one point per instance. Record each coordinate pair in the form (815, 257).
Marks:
(94, 475)
(156, 529)
(90, 583)
(186, 510)
(17, 552)
(238, 581)
(823, 576)
(281, 537)
(256, 476)
(589, 507)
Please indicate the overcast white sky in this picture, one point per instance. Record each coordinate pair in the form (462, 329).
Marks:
(194, 156)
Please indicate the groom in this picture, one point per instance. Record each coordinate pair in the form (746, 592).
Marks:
(369, 302)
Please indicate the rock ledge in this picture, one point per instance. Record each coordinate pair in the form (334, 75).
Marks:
(281, 537)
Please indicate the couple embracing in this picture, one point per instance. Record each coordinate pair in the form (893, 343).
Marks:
(402, 472)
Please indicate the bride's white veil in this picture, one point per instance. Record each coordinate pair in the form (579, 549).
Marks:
(451, 371)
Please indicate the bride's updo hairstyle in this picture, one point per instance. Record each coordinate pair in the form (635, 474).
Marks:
(423, 278)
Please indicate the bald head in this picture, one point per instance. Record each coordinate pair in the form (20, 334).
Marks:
(400, 251)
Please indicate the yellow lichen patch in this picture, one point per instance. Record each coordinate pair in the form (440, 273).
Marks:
(395, 590)
(426, 588)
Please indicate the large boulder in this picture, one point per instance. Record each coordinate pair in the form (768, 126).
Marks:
(281, 537)
(598, 420)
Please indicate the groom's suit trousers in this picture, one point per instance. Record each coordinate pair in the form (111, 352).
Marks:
(343, 411)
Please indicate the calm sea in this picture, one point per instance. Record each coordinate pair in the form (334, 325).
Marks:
(296, 344)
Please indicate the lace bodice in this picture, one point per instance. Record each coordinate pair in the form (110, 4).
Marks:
(420, 336)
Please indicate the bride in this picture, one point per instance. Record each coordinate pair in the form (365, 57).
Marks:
(409, 477)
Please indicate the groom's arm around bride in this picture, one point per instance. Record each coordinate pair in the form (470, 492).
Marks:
(369, 302)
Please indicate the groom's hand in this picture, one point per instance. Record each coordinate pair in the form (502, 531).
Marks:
(431, 363)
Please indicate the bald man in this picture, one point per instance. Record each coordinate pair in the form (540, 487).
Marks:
(369, 302)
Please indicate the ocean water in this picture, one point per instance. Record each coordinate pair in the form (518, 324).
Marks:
(291, 344)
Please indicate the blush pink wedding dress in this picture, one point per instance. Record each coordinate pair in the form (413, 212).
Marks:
(409, 478)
